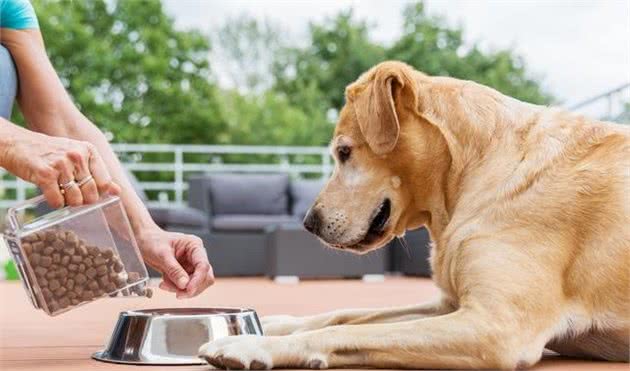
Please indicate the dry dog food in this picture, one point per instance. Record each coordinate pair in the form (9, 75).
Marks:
(69, 272)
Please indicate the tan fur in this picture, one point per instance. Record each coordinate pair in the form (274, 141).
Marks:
(529, 210)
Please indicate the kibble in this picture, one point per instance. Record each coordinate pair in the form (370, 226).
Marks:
(69, 272)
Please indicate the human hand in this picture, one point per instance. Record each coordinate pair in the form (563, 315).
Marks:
(181, 259)
(69, 172)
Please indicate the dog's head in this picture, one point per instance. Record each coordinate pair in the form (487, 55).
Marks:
(383, 149)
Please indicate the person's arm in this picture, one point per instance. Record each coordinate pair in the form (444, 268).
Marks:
(48, 109)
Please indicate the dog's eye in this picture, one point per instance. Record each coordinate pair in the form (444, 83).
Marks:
(343, 153)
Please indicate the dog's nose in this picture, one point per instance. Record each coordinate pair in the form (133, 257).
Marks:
(312, 221)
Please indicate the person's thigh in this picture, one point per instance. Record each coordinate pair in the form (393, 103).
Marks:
(8, 83)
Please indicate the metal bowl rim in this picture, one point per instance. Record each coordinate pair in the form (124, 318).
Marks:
(189, 312)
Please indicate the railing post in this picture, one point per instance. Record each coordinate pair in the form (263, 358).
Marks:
(20, 190)
(179, 175)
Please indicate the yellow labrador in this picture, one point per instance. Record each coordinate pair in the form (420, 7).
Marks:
(529, 208)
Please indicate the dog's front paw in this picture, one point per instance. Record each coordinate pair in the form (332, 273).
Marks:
(245, 352)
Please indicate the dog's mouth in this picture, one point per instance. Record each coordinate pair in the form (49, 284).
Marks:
(377, 226)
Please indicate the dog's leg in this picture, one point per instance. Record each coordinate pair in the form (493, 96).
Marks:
(466, 338)
(285, 325)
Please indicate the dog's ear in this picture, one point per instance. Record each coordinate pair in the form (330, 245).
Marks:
(375, 108)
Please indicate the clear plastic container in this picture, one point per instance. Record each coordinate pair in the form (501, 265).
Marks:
(75, 255)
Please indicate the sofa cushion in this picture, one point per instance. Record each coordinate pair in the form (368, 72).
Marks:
(303, 194)
(265, 194)
(249, 222)
(182, 217)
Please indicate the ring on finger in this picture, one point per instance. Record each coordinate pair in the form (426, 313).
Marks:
(67, 185)
(84, 181)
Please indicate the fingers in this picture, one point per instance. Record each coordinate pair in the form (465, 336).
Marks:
(167, 285)
(97, 168)
(202, 276)
(173, 271)
(69, 188)
(82, 175)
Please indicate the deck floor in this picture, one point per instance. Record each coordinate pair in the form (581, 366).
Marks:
(30, 340)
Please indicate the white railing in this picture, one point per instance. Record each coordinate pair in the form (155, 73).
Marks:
(608, 105)
(179, 164)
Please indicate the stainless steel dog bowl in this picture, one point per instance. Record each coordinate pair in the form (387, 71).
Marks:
(173, 336)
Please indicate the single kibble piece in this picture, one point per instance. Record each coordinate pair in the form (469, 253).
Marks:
(50, 236)
(62, 272)
(148, 293)
(99, 292)
(41, 271)
(65, 260)
(35, 259)
(93, 285)
(64, 302)
(103, 280)
(38, 247)
(93, 250)
(46, 261)
(101, 270)
(70, 284)
(88, 262)
(80, 278)
(28, 248)
(63, 280)
(82, 268)
(47, 294)
(56, 258)
(69, 251)
(78, 289)
(108, 253)
(43, 282)
(76, 259)
(75, 301)
(73, 267)
(71, 294)
(59, 245)
(53, 306)
(90, 272)
(82, 250)
(48, 250)
(51, 274)
(61, 291)
(54, 285)
(87, 295)
(99, 261)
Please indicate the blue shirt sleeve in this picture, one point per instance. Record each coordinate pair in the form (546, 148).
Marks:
(17, 15)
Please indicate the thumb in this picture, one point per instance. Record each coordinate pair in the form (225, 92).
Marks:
(174, 271)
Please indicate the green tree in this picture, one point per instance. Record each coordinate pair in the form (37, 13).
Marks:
(131, 72)
(431, 46)
(340, 49)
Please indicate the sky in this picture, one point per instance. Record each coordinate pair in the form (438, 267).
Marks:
(578, 49)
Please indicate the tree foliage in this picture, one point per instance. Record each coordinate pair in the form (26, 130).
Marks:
(139, 78)
(131, 72)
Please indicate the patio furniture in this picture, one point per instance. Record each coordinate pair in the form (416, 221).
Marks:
(412, 256)
(240, 207)
(291, 251)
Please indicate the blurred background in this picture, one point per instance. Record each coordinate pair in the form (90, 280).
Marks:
(189, 88)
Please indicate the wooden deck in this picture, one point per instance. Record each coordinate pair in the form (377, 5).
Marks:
(30, 340)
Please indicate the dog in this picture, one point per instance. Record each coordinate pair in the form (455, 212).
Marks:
(529, 210)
